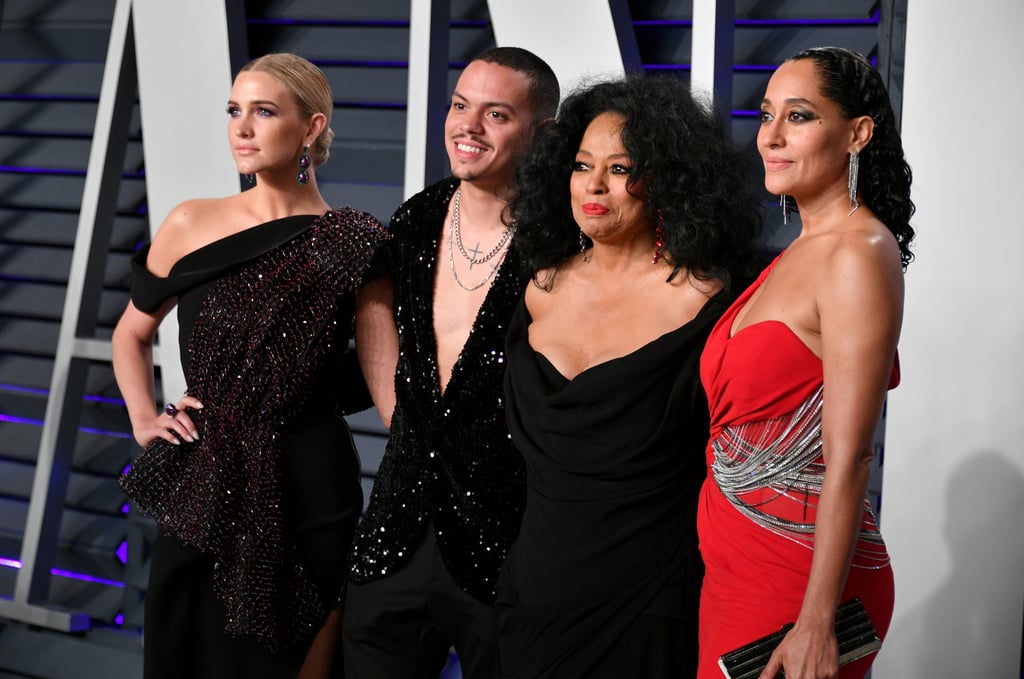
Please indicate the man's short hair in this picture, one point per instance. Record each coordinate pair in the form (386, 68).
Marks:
(544, 92)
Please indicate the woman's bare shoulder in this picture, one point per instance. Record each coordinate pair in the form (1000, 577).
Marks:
(862, 270)
(187, 228)
(868, 248)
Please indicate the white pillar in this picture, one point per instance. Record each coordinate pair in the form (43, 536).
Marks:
(711, 53)
(577, 38)
(184, 82)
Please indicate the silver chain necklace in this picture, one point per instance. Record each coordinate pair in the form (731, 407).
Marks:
(455, 273)
(454, 236)
(457, 235)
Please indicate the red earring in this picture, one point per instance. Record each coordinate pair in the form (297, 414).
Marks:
(659, 238)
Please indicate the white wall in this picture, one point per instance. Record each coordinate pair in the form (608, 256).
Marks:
(184, 84)
(953, 489)
(575, 37)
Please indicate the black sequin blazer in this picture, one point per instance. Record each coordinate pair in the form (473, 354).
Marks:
(449, 460)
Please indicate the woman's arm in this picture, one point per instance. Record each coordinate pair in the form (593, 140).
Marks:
(132, 343)
(132, 347)
(377, 344)
(860, 308)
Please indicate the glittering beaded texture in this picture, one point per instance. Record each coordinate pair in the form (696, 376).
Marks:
(449, 461)
(256, 348)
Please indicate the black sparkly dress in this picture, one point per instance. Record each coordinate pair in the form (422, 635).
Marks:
(449, 461)
(256, 517)
(604, 578)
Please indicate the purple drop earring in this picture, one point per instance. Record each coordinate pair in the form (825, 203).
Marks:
(302, 176)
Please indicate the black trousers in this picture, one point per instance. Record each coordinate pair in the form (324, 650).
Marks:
(402, 626)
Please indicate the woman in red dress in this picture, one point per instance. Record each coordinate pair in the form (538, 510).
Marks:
(796, 374)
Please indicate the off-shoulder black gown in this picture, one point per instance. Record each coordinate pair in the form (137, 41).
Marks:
(316, 478)
(604, 578)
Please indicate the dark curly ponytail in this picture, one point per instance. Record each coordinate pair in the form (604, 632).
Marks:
(849, 80)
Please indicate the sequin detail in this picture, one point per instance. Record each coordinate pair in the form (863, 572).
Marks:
(449, 459)
(772, 471)
(256, 348)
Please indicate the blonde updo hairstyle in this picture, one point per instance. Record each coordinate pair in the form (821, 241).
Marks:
(309, 87)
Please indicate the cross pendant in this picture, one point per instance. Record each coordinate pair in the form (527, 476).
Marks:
(474, 253)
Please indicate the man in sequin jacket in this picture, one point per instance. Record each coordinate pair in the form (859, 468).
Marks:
(449, 494)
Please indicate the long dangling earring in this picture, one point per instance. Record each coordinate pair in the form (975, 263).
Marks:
(302, 176)
(250, 179)
(583, 248)
(851, 182)
(659, 238)
(785, 208)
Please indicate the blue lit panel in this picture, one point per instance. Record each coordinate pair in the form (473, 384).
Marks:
(60, 573)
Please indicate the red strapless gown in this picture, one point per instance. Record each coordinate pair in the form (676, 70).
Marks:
(758, 384)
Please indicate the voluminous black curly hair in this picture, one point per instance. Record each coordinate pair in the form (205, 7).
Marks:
(691, 174)
(852, 83)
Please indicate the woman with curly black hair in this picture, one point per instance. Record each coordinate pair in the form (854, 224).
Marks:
(632, 217)
(796, 373)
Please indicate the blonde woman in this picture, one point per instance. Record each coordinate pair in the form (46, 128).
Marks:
(251, 476)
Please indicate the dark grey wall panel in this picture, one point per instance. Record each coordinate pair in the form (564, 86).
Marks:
(42, 227)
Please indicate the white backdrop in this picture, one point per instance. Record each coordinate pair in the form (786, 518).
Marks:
(184, 84)
(953, 488)
(575, 37)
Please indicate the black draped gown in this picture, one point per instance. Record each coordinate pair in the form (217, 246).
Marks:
(604, 578)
